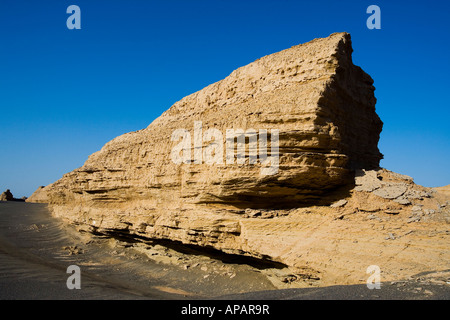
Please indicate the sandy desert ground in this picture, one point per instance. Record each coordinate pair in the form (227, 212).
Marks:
(36, 249)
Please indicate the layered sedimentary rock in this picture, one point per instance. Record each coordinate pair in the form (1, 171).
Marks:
(321, 106)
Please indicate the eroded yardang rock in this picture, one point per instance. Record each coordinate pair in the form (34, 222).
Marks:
(6, 196)
(324, 109)
(38, 196)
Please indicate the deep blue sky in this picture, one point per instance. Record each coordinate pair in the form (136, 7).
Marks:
(65, 93)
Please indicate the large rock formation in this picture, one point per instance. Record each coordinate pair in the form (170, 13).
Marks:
(6, 196)
(39, 196)
(323, 107)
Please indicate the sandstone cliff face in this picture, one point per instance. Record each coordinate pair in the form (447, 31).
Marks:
(324, 110)
(322, 106)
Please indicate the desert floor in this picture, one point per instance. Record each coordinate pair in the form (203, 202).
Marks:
(36, 249)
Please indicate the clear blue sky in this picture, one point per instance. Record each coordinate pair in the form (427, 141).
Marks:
(65, 93)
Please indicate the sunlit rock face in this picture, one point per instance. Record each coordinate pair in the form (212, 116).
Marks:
(318, 112)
